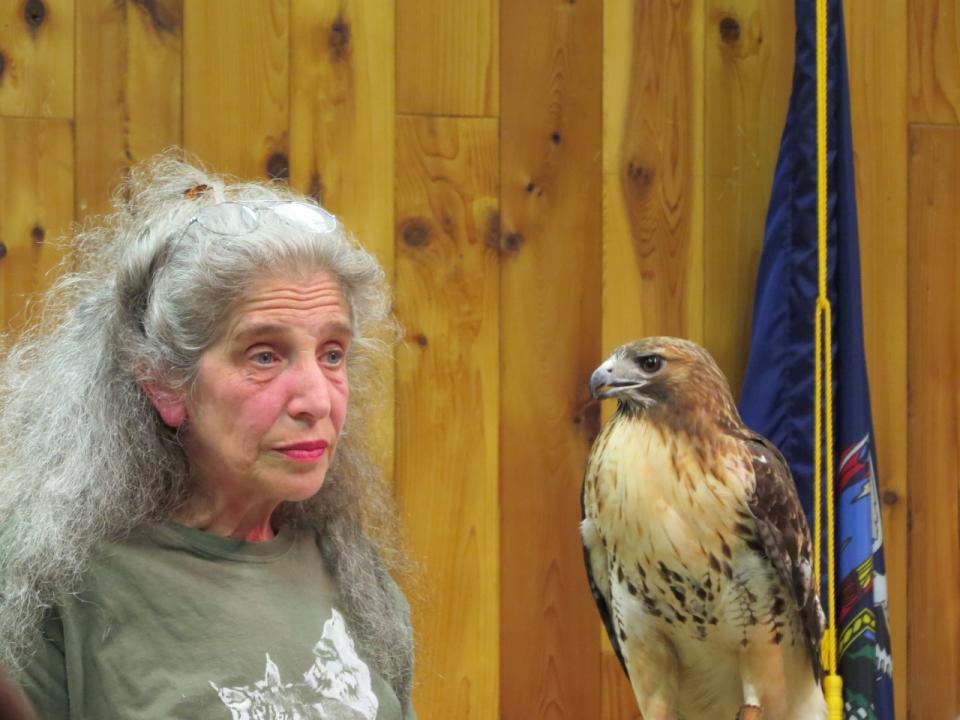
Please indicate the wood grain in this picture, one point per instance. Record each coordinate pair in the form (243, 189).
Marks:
(617, 700)
(749, 66)
(154, 88)
(934, 60)
(653, 63)
(448, 57)
(36, 58)
(934, 419)
(236, 85)
(128, 92)
(101, 153)
(550, 135)
(877, 59)
(653, 170)
(35, 211)
(342, 114)
(448, 387)
(342, 134)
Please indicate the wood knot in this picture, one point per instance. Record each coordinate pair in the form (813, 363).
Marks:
(165, 16)
(639, 175)
(530, 187)
(555, 137)
(316, 189)
(34, 13)
(420, 339)
(38, 234)
(416, 232)
(591, 420)
(3, 251)
(448, 223)
(339, 39)
(890, 497)
(729, 29)
(278, 166)
(491, 237)
(512, 242)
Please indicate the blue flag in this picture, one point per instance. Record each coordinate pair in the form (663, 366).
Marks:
(778, 392)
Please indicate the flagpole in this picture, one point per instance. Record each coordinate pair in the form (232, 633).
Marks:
(823, 389)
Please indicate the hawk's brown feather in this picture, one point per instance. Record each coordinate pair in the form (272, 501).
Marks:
(782, 528)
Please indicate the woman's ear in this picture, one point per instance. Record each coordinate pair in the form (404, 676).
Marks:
(169, 404)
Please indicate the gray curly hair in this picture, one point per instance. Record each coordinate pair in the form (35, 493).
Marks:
(84, 457)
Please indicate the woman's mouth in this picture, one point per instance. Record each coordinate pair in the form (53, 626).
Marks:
(305, 451)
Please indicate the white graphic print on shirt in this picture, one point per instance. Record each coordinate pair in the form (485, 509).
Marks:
(336, 686)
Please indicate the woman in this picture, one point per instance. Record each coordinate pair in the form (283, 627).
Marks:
(184, 497)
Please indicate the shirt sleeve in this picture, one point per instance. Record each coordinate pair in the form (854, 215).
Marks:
(44, 680)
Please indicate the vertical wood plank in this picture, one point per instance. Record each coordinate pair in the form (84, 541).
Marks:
(448, 57)
(154, 92)
(236, 85)
(342, 113)
(934, 61)
(877, 59)
(128, 91)
(36, 59)
(653, 170)
(35, 211)
(934, 455)
(101, 155)
(653, 275)
(447, 409)
(550, 137)
(617, 699)
(342, 133)
(749, 66)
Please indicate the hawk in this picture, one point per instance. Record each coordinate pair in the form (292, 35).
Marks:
(696, 546)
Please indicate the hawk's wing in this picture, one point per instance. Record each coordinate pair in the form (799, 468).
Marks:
(782, 530)
(598, 575)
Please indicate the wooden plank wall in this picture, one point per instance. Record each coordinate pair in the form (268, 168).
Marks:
(933, 322)
(541, 180)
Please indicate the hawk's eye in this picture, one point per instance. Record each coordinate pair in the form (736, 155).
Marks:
(650, 363)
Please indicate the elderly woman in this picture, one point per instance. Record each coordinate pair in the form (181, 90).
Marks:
(187, 506)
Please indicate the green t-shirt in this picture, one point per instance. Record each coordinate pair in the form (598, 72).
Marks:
(179, 623)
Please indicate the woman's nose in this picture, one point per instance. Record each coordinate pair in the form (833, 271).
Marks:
(309, 390)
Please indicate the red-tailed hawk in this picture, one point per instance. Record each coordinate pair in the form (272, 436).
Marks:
(696, 546)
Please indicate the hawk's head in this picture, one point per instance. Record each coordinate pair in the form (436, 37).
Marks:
(664, 375)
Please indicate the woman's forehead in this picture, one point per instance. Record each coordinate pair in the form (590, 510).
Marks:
(273, 303)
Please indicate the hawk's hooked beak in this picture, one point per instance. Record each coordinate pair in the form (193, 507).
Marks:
(615, 377)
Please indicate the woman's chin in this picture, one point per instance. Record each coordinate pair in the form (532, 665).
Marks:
(298, 488)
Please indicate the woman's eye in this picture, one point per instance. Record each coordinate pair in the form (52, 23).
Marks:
(333, 357)
(264, 358)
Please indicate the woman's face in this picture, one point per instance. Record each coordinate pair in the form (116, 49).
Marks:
(271, 394)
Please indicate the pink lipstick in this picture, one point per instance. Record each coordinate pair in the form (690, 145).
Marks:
(305, 451)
